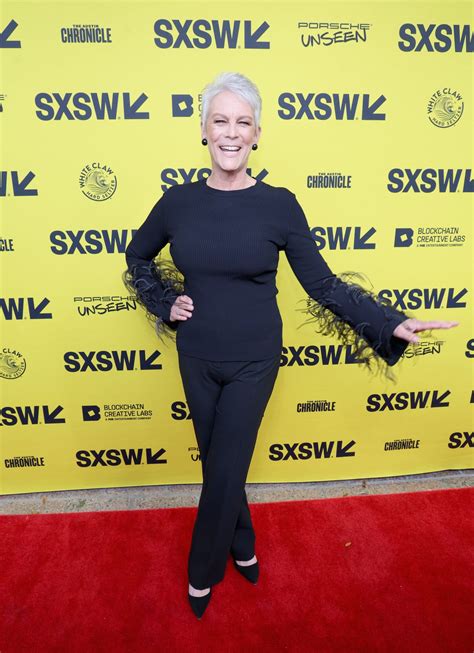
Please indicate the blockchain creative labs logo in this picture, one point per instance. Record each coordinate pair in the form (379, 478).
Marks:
(97, 181)
(401, 444)
(116, 412)
(430, 236)
(7, 245)
(316, 406)
(96, 305)
(86, 34)
(24, 461)
(445, 108)
(424, 348)
(12, 363)
(323, 180)
(183, 104)
(313, 34)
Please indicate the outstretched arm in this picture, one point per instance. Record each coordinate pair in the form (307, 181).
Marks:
(342, 307)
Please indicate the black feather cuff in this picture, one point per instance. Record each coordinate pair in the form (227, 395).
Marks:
(358, 318)
(156, 285)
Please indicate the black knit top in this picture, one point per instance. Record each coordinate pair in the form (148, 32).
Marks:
(225, 247)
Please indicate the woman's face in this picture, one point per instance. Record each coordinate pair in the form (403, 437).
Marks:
(230, 131)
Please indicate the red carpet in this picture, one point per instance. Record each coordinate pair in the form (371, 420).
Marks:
(372, 574)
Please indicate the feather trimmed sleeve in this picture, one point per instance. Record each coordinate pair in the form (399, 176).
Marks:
(338, 305)
(155, 281)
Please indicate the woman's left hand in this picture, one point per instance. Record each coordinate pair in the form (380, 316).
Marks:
(407, 330)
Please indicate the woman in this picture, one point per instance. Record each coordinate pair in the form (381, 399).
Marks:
(225, 234)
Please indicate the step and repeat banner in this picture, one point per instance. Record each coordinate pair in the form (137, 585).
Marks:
(367, 118)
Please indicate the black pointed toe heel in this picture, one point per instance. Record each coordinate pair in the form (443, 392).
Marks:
(199, 603)
(250, 572)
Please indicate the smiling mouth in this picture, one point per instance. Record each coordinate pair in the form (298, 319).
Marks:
(229, 148)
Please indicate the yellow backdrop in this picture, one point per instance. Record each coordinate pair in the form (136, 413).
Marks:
(367, 117)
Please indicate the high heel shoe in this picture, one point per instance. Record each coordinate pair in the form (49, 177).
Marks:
(199, 603)
(250, 572)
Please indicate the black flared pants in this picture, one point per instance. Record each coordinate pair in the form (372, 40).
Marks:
(227, 400)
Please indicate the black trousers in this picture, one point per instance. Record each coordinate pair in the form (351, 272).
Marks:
(227, 400)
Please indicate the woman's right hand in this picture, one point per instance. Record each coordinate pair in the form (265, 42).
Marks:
(182, 308)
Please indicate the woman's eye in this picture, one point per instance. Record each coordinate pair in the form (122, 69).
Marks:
(242, 122)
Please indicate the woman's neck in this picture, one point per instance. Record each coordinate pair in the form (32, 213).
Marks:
(231, 181)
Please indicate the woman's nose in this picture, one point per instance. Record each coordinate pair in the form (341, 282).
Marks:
(231, 129)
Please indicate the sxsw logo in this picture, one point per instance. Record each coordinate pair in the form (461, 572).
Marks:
(470, 348)
(19, 187)
(84, 106)
(323, 106)
(429, 180)
(414, 298)
(90, 241)
(5, 36)
(106, 361)
(311, 355)
(407, 400)
(343, 237)
(25, 415)
(436, 38)
(460, 440)
(308, 450)
(114, 457)
(24, 308)
(201, 34)
(180, 411)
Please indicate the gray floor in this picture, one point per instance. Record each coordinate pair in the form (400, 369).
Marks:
(173, 496)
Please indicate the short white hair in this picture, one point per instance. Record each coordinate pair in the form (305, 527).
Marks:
(238, 84)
